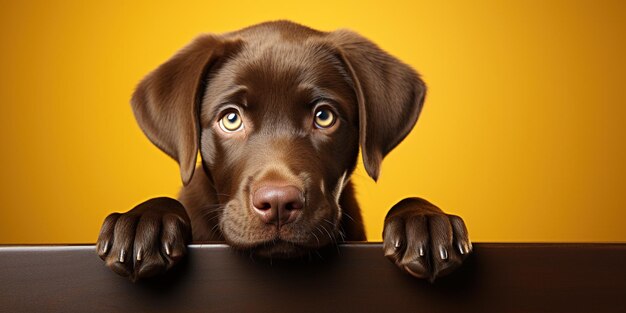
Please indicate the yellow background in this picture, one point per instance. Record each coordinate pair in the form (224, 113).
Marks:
(523, 131)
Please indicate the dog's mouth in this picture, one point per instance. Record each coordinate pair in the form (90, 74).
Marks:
(285, 243)
(279, 249)
(280, 245)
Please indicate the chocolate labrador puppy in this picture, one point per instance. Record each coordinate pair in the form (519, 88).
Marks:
(277, 112)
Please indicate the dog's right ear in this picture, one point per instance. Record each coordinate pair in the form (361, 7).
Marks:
(167, 101)
(390, 96)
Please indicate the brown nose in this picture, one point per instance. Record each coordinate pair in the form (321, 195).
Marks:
(277, 204)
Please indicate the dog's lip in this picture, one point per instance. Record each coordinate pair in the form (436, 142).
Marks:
(279, 240)
(279, 249)
(266, 241)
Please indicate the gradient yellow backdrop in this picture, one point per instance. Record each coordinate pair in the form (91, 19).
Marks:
(523, 132)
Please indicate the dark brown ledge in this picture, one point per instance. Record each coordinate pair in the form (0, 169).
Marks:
(355, 278)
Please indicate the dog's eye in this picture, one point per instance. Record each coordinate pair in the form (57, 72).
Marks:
(231, 122)
(324, 118)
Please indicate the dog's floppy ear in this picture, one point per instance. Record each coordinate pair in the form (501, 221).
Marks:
(390, 95)
(166, 102)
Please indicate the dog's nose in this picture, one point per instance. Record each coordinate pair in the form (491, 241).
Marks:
(278, 204)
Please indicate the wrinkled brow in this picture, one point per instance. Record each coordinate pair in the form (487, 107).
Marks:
(234, 95)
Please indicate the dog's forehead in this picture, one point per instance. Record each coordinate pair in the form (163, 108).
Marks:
(280, 73)
(288, 64)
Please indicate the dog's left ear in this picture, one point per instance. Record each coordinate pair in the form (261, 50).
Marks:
(166, 102)
(390, 95)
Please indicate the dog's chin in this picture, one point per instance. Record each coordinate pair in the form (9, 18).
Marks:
(279, 249)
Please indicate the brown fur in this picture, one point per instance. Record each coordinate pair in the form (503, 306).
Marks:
(274, 75)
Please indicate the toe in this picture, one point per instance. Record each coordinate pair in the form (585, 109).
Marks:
(120, 258)
(394, 239)
(416, 257)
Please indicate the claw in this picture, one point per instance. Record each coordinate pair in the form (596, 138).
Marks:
(138, 255)
(167, 248)
(443, 253)
(105, 247)
(421, 251)
(122, 253)
(463, 248)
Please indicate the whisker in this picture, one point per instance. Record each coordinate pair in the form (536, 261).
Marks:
(327, 232)
(333, 239)
(343, 237)
(214, 213)
(348, 216)
(214, 230)
(329, 222)
(318, 239)
(208, 210)
(317, 227)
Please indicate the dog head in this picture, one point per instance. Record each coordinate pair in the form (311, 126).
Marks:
(278, 112)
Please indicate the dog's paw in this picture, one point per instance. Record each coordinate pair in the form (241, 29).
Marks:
(145, 241)
(424, 241)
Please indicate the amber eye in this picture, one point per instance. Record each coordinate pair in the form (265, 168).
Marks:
(231, 122)
(324, 118)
